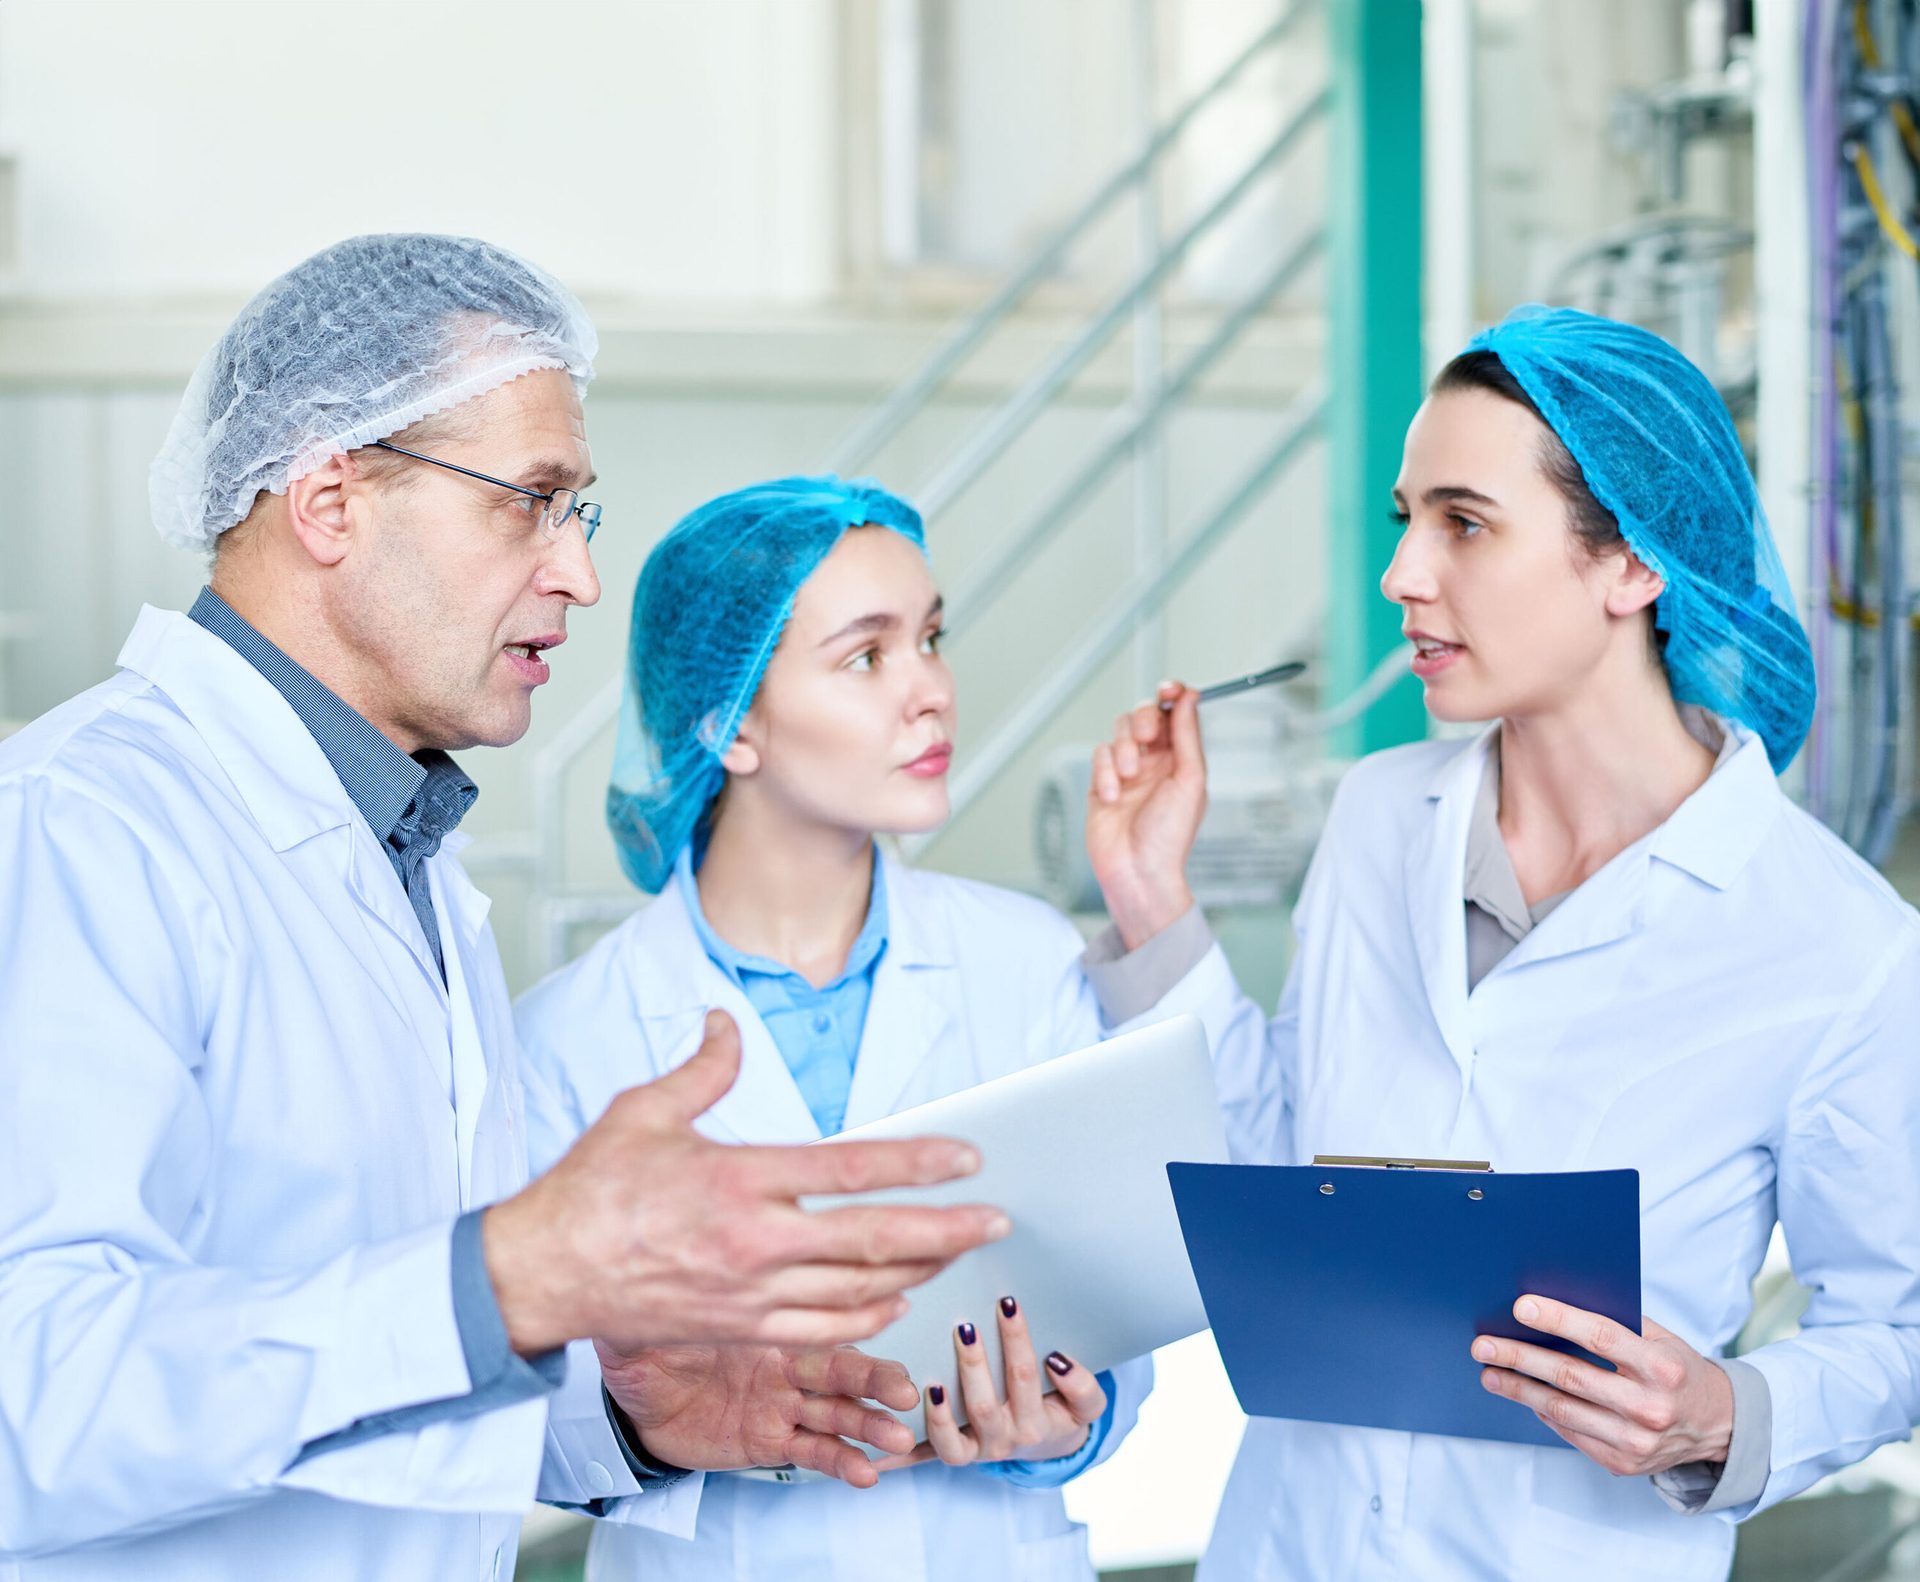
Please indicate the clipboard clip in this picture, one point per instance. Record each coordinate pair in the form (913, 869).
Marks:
(1371, 1162)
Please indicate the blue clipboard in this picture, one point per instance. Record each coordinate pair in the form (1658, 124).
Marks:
(1344, 1294)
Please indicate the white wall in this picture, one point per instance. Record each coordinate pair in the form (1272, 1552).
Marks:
(670, 148)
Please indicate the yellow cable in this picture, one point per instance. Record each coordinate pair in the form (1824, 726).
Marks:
(1870, 57)
(1883, 211)
(1863, 36)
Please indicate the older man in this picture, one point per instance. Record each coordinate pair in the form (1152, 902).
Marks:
(257, 1082)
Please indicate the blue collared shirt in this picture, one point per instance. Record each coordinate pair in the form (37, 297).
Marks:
(410, 804)
(817, 1031)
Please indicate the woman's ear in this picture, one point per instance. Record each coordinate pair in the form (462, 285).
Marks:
(1633, 585)
(742, 757)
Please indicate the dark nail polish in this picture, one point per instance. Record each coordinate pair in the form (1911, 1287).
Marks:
(1059, 1364)
(1008, 1306)
(937, 1394)
(968, 1334)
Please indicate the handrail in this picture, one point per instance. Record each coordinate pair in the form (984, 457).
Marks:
(1130, 424)
(1026, 404)
(1148, 590)
(899, 409)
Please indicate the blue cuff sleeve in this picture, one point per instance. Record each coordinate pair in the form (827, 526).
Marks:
(495, 1375)
(1062, 1469)
(650, 1474)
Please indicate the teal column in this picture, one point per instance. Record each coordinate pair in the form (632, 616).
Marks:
(1374, 363)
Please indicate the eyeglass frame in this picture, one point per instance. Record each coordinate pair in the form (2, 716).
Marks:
(580, 507)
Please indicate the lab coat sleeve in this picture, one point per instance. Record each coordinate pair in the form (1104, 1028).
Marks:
(140, 1388)
(583, 1464)
(1849, 1201)
(1253, 1055)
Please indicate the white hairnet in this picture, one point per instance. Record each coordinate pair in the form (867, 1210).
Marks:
(349, 347)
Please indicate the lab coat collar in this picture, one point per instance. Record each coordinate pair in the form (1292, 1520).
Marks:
(270, 757)
(913, 994)
(905, 1016)
(1435, 872)
(919, 930)
(1711, 836)
(683, 983)
(1716, 831)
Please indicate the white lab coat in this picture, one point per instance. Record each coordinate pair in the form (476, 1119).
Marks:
(975, 982)
(239, 1113)
(1728, 1007)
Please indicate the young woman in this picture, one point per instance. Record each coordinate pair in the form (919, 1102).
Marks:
(1596, 935)
(786, 702)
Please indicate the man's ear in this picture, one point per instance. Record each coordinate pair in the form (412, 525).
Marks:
(325, 508)
(1633, 585)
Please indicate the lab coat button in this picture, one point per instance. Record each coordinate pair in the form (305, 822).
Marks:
(599, 1479)
(1375, 1502)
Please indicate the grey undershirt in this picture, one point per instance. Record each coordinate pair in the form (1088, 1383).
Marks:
(1130, 983)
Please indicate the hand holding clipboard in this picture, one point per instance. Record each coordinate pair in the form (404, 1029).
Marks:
(1365, 1287)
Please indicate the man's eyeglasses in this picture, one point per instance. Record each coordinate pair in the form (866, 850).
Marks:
(558, 505)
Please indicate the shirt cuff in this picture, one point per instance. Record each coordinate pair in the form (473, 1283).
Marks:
(1703, 1488)
(1053, 1473)
(1128, 983)
(491, 1360)
(649, 1472)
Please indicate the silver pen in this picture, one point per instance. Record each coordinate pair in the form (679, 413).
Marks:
(1260, 678)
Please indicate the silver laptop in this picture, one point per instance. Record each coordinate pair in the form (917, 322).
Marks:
(1076, 1151)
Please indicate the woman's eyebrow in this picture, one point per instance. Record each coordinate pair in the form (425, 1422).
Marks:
(861, 626)
(1456, 493)
(879, 622)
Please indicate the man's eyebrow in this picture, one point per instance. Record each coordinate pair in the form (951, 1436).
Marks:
(555, 472)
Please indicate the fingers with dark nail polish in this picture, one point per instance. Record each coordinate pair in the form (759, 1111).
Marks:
(1059, 1364)
(968, 1334)
(937, 1394)
(1008, 1306)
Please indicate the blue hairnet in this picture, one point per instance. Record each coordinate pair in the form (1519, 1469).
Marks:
(712, 601)
(1658, 450)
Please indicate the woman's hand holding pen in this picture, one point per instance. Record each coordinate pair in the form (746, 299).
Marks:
(1024, 1424)
(1144, 805)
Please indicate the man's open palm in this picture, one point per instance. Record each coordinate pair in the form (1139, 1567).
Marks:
(722, 1408)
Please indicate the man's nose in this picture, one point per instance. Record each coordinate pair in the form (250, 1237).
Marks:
(568, 570)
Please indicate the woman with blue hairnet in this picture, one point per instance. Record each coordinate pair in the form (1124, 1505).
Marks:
(1594, 935)
(786, 702)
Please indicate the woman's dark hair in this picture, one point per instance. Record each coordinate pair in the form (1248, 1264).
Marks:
(1593, 524)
